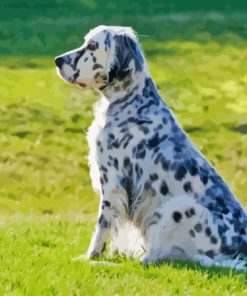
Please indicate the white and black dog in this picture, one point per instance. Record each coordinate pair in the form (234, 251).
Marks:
(159, 195)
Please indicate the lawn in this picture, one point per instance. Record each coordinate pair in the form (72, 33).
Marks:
(47, 205)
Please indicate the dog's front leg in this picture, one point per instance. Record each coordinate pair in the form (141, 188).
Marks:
(102, 230)
(112, 213)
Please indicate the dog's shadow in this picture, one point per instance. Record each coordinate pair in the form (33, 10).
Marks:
(210, 272)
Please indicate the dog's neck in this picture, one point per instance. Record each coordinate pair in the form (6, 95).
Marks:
(133, 91)
(132, 83)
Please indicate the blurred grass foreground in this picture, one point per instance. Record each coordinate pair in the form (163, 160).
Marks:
(197, 54)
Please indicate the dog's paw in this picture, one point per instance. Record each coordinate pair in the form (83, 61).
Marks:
(89, 255)
(83, 257)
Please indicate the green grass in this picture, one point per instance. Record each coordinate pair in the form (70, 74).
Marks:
(47, 205)
(36, 259)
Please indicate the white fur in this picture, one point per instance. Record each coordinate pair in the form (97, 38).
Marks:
(147, 229)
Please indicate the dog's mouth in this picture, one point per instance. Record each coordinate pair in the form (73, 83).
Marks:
(80, 84)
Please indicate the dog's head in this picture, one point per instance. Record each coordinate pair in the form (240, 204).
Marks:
(108, 53)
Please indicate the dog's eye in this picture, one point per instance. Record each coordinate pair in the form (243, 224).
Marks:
(91, 46)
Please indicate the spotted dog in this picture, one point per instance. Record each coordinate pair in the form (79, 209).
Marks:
(160, 197)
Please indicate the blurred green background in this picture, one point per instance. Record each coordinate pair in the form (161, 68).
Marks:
(197, 54)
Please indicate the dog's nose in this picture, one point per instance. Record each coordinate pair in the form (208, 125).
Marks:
(59, 62)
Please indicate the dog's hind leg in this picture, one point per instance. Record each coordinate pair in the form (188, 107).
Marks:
(185, 229)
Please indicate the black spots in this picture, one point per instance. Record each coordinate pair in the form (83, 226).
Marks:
(147, 106)
(127, 166)
(155, 140)
(225, 211)
(213, 240)
(139, 152)
(180, 173)
(156, 149)
(97, 66)
(220, 201)
(108, 125)
(188, 187)
(210, 253)
(127, 179)
(193, 171)
(159, 158)
(127, 83)
(79, 54)
(96, 45)
(192, 166)
(192, 233)
(158, 127)
(147, 185)
(103, 168)
(105, 178)
(164, 120)
(85, 59)
(236, 239)
(102, 87)
(111, 143)
(115, 163)
(127, 138)
(178, 148)
(208, 231)
(59, 62)
(190, 212)
(198, 227)
(211, 206)
(153, 177)
(144, 129)
(227, 250)
(138, 171)
(76, 75)
(103, 222)
(243, 248)
(237, 214)
(165, 164)
(139, 121)
(106, 203)
(127, 185)
(177, 216)
(94, 59)
(203, 174)
(204, 179)
(217, 192)
(242, 231)
(164, 190)
(126, 51)
(158, 215)
(107, 41)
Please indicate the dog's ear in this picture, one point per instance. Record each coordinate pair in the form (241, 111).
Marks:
(126, 51)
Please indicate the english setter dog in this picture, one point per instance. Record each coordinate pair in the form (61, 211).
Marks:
(159, 197)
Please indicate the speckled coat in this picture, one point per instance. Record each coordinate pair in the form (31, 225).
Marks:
(149, 174)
